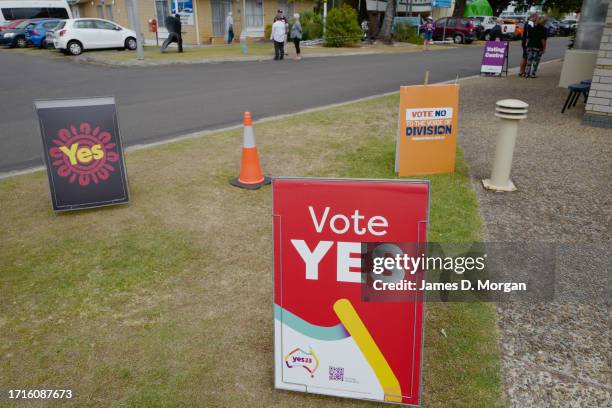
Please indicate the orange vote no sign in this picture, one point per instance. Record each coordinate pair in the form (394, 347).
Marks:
(428, 121)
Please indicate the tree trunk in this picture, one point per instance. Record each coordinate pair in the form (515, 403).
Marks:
(387, 25)
(459, 8)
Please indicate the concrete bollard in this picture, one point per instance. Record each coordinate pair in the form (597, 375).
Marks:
(510, 111)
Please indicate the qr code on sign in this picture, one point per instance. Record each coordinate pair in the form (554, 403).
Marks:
(336, 373)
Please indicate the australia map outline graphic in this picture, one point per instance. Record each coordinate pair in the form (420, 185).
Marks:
(300, 358)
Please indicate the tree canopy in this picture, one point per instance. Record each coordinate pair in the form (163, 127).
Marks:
(564, 6)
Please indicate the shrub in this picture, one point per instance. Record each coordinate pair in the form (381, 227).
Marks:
(406, 33)
(267, 31)
(342, 27)
(312, 25)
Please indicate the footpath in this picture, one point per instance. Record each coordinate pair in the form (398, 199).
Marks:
(257, 51)
(553, 353)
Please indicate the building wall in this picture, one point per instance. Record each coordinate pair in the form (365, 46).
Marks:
(201, 32)
(599, 105)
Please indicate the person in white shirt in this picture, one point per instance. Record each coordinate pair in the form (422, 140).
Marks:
(229, 27)
(278, 36)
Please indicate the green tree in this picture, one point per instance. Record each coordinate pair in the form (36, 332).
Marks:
(498, 6)
(342, 27)
(387, 25)
(459, 8)
(563, 6)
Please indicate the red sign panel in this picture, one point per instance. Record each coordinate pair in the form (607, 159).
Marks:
(329, 338)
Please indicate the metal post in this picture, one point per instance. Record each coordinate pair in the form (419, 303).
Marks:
(510, 111)
(324, 17)
(135, 23)
(444, 30)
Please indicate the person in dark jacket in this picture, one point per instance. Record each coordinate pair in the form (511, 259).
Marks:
(529, 25)
(536, 46)
(496, 33)
(174, 27)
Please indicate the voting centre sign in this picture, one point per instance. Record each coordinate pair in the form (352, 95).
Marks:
(329, 338)
(494, 58)
(427, 130)
(83, 153)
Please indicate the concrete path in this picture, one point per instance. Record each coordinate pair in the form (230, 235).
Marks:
(555, 354)
(158, 103)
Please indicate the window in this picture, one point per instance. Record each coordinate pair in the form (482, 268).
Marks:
(162, 9)
(76, 12)
(105, 25)
(85, 24)
(56, 12)
(50, 25)
(219, 8)
(254, 14)
(24, 13)
(100, 11)
(109, 12)
(287, 7)
(23, 24)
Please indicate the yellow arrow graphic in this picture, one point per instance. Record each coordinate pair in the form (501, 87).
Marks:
(353, 324)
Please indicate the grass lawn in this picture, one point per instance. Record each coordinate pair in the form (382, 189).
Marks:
(167, 301)
(225, 52)
(255, 49)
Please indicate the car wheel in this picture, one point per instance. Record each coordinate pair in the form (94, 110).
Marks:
(75, 48)
(130, 43)
(458, 39)
(43, 43)
(21, 42)
(487, 36)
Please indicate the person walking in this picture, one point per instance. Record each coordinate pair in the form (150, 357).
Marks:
(536, 46)
(174, 27)
(428, 30)
(528, 27)
(278, 36)
(229, 27)
(296, 36)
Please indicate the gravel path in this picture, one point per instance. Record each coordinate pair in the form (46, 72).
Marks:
(555, 353)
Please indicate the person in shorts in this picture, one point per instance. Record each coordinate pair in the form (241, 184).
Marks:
(428, 30)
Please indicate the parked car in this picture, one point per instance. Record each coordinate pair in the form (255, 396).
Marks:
(567, 27)
(512, 28)
(10, 25)
(48, 41)
(484, 24)
(552, 27)
(461, 30)
(36, 33)
(74, 36)
(15, 37)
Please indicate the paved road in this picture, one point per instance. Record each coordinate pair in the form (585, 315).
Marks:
(157, 103)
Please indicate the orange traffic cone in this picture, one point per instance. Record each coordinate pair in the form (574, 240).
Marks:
(251, 176)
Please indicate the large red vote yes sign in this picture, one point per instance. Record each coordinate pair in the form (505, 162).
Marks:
(329, 339)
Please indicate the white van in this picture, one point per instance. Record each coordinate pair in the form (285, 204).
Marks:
(26, 9)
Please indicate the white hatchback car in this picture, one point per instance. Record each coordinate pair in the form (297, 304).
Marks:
(74, 36)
